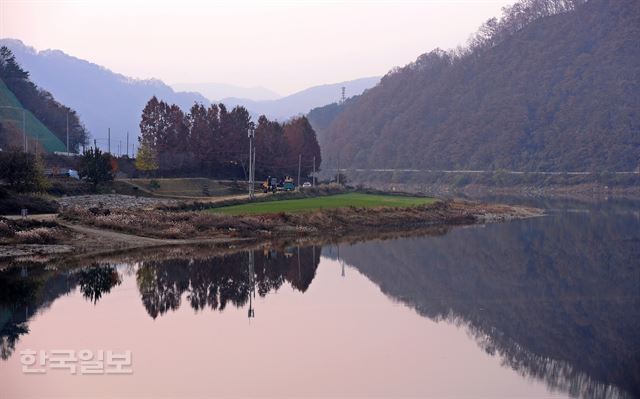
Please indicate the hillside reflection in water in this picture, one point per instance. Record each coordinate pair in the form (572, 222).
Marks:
(556, 299)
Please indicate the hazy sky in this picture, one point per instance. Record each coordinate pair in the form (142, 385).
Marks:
(282, 45)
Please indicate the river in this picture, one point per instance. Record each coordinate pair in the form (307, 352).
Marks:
(544, 307)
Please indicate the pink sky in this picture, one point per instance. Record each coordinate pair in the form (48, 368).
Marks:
(282, 45)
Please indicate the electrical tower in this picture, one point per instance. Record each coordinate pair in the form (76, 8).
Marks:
(343, 97)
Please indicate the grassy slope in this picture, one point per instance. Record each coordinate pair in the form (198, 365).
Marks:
(35, 128)
(185, 187)
(326, 202)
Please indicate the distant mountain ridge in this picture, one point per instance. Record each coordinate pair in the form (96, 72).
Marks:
(552, 86)
(102, 98)
(215, 91)
(105, 99)
(302, 102)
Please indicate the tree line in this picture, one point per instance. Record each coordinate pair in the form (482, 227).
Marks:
(214, 141)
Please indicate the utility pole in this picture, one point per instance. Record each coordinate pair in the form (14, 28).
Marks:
(252, 291)
(314, 173)
(119, 148)
(299, 166)
(251, 134)
(95, 146)
(67, 132)
(109, 140)
(299, 268)
(340, 261)
(338, 175)
(127, 144)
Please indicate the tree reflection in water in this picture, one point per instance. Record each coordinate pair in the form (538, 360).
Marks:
(31, 288)
(557, 298)
(97, 280)
(217, 281)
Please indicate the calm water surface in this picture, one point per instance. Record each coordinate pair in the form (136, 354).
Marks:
(548, 307)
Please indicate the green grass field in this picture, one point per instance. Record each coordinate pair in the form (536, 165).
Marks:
(35, 128)
(326, 202)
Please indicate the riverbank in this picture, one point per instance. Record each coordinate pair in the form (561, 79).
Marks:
(83, 232)
(587, 192)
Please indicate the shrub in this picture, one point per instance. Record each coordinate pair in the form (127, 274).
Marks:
(21, 171)
(154, 184)
(5, 229)
(39, 235)
(12, 203)
(96, 167)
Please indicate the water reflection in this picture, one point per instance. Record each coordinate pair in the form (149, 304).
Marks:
(217, 281)
(31, 288)
(556, 298)
(96, 281)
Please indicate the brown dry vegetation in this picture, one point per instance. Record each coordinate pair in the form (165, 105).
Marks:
(332, 222)
(30, 232)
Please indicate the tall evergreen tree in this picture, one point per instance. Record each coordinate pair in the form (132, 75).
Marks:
(96, 167)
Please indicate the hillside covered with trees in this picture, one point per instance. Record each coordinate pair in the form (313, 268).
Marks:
(46, 116)
(553, 85)
(213, 141)
(102, 98)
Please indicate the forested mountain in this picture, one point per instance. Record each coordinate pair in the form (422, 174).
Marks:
(25, 107)
(305, 100)
(554, 85)
(321, 118)
(103, 99)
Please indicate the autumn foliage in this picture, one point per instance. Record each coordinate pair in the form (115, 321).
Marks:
(214, 142)
(551, 86)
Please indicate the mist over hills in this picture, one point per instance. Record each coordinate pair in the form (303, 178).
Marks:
(304, 101)
(552, 86)
(216, 91)
(103, 99)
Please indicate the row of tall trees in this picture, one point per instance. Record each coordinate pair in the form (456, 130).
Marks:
(40, 103)
(213, 141)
